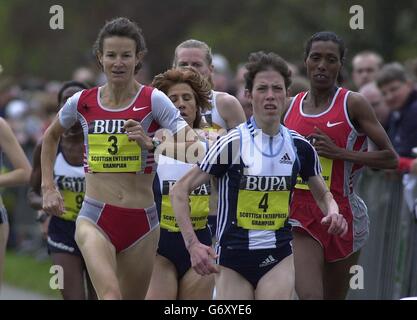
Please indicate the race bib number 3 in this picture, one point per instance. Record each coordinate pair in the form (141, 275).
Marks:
(113, 153)
(73, 202)
(199, 213)
(326, 166)
(257, 210)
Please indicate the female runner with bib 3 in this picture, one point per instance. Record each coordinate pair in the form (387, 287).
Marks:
(117, 228)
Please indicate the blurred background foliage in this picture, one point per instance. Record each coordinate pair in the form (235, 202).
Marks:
(231, 27)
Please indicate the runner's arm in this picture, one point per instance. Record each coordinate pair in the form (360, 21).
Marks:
(324, 199)
(9, 144)
(179, 140)
(230, 110)
(180, 202)
(34, 193)
(362, 114)
(52, 200)
(201, 255)
(322, 195)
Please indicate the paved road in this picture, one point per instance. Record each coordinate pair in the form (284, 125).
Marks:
(12, 293)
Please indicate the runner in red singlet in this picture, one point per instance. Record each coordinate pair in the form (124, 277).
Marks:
(117, 228)
(337, 122)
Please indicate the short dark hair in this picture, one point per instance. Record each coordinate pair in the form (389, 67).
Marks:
(261, 61)
(121, 27)
(70, 84)
(188, 75)
(326, 36)
(391, 72)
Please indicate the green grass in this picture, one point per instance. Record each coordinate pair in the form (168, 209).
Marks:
(26, 272)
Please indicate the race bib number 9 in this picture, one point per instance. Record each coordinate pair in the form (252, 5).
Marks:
(73, 202)
(113, 153)
(257, 210)
(199, 213)
(326, 166)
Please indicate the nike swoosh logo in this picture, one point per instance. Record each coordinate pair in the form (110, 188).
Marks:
(329, 125)
(138, 109)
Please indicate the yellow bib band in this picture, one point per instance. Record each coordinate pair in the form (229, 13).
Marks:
(199, 213)
(113, 153)
(258, 210)
(73, 202)
(327, 166)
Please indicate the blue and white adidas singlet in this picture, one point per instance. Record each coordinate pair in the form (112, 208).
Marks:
(256, 175)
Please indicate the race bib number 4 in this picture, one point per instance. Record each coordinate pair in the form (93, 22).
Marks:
(113, 153)
(257, 210)
(326, 166)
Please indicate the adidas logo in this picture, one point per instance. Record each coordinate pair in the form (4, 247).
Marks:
(269, 260)
(286, 159)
